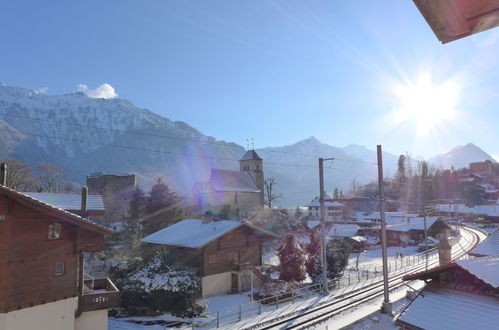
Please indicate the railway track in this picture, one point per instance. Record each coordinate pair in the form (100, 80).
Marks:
(310, 317)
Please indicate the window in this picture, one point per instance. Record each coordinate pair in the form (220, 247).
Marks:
(233, 256)
(55, 231)
(258, 167)
(59, 268)
(212, 259)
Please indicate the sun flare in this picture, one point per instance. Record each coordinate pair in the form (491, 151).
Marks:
(425, 104)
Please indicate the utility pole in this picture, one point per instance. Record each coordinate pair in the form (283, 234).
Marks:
(387, 305)
(323, 224)
(423, 179)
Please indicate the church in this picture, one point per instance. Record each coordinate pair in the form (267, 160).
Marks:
(242, 190)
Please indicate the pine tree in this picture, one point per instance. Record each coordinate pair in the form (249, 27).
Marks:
(337, 257)
(292, 258)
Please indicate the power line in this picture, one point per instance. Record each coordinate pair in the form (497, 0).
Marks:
(225, 144)
(167, 152)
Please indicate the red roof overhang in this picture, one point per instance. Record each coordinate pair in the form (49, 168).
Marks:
(454, 19)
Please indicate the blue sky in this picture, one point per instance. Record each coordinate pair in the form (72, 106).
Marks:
(276, 71)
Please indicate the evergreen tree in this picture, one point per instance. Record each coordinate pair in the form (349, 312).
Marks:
(292, 259)
(337, 257)
(161, 208)
(313, 263)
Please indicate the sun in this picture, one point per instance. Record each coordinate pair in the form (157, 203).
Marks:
(425, 104)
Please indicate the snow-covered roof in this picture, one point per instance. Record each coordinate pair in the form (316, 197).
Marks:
(359, 239)
(431, 241)
(489, 247)
(70, 202)
(192, 233)
(343, 230)
(486, 269)
(410, 224)
(388, 215)
(488, 210)
(313, 223)
(316, 202)
(56, 211)
(442, 308)
(227, 180)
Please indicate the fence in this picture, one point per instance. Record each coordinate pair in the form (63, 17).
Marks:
(350, 281)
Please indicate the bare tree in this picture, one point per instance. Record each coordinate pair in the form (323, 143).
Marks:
(51, 177)
(19, 175)
(270, 195)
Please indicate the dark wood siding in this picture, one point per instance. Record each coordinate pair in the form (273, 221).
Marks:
(28, 257)
(244, 242)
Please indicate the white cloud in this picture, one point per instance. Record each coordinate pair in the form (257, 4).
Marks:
(42, 90)
(104, 91)
(496, 157)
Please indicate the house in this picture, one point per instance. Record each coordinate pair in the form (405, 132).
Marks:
(333, 209)
(489, 247)
(241, 190)
(459, 295)
(411, 230)
(219, 250)
(42, 271)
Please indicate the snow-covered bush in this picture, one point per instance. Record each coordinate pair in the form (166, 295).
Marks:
(155, 283)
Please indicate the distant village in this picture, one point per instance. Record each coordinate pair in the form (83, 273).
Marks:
(115, 250)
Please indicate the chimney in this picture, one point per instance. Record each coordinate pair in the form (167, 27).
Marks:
(444, 250)
(207, 217)
(3, 174)
(84, 201)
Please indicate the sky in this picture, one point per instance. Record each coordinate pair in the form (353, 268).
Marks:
(346, 72)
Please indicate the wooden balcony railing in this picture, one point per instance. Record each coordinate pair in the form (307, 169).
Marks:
(103, 295)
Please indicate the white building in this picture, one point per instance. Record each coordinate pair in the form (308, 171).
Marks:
(333, 209)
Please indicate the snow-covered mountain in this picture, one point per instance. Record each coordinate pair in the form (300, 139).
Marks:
(299, 183)
(85, 135)
(460, 157)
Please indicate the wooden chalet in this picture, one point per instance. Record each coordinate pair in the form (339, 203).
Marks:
(410, 231)
(220, 251)
(42, 283)
(459, 295)
(455, 19)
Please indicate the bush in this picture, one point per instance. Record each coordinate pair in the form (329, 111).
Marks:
(155, 283)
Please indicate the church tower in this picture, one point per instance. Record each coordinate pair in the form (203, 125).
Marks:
(253, 164)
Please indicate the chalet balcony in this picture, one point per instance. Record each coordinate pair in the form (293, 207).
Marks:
(99, 293)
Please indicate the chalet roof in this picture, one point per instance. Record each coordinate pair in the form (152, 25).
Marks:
(489, 247)
(486, 210)
(486, 269)
(316, 202)
(227, 180)
(416, 223)
(193, 233)
(343, 230)
(251, 155)
(443, 308)
(69, 202)
(54, 211)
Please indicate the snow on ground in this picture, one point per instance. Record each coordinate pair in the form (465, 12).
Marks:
(226, 301)
(370, 259)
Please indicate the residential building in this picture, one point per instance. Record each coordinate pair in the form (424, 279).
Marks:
(489, 247)
(459, 295)
(42, 275)
(220, 251)
(241, 190)
(333, 209)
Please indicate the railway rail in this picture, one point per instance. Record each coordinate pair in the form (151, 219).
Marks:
(312, 316)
